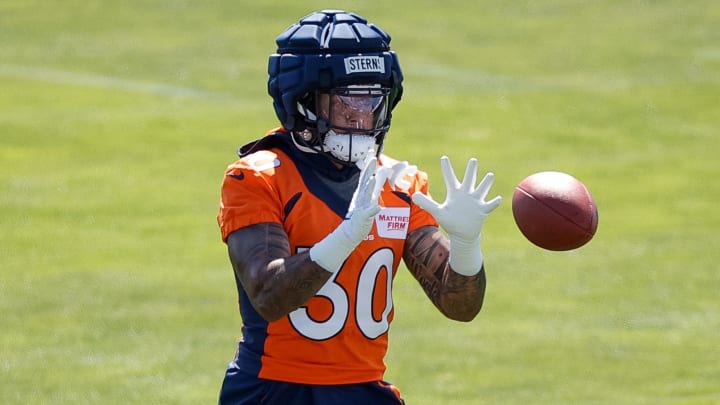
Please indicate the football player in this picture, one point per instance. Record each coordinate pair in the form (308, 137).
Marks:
(317, 219)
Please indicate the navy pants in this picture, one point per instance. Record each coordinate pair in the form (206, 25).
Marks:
(240, 388)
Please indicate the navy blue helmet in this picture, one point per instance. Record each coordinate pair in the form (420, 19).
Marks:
(330, 51)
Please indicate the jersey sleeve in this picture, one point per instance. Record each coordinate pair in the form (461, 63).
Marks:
(248, 196)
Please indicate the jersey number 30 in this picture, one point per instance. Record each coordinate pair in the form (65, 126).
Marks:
(366, 286)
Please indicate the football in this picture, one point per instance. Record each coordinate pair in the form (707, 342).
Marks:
(555, 211)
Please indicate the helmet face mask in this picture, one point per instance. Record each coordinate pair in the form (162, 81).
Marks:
(334, 75)
(346, 122)
(357, 117)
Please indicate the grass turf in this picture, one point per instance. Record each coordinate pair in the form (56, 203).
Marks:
(117, 120)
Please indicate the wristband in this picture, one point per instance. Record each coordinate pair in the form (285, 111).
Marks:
(331, 252)
(466, 257)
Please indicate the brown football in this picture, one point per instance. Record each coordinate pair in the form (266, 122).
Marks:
(555, 211)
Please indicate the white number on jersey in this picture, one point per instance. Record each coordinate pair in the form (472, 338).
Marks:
(371, 328)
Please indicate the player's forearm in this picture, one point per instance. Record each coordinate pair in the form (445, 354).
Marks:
(275, 281)
(289, 283)
(462, 296)
(457, 296)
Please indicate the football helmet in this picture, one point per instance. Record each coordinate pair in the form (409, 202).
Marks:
(334, 82)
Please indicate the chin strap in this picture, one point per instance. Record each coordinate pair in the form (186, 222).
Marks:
(301, 147)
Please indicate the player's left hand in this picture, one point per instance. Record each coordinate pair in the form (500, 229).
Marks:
(462, 214)
(465, 209)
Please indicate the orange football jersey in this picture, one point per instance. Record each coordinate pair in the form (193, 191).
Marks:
(340, 336)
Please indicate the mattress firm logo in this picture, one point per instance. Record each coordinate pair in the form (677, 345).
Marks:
(364, 64)
(392, 222)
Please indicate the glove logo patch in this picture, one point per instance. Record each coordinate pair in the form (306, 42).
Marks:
(392, 222)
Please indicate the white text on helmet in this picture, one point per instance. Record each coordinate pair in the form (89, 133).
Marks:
(363, 64)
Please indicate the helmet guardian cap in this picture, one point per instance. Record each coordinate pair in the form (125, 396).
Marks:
(332, 52)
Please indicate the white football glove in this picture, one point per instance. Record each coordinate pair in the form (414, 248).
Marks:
(462, 214)
(399, 171)
(331, 252)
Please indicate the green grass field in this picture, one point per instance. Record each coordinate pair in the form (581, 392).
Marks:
(117, 120)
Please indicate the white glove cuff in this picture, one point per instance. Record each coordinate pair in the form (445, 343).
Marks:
(331, 252)
(466, 257)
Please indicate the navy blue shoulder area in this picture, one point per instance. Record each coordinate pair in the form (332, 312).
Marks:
(273, 140)
(316, 162)
(311, 167)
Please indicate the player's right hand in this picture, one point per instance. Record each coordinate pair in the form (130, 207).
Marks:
(331, 252)
(364, 204)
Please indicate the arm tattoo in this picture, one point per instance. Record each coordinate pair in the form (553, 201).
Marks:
(276, 281)
(426, 255)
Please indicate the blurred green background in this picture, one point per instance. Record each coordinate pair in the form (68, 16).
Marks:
(117, 120)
